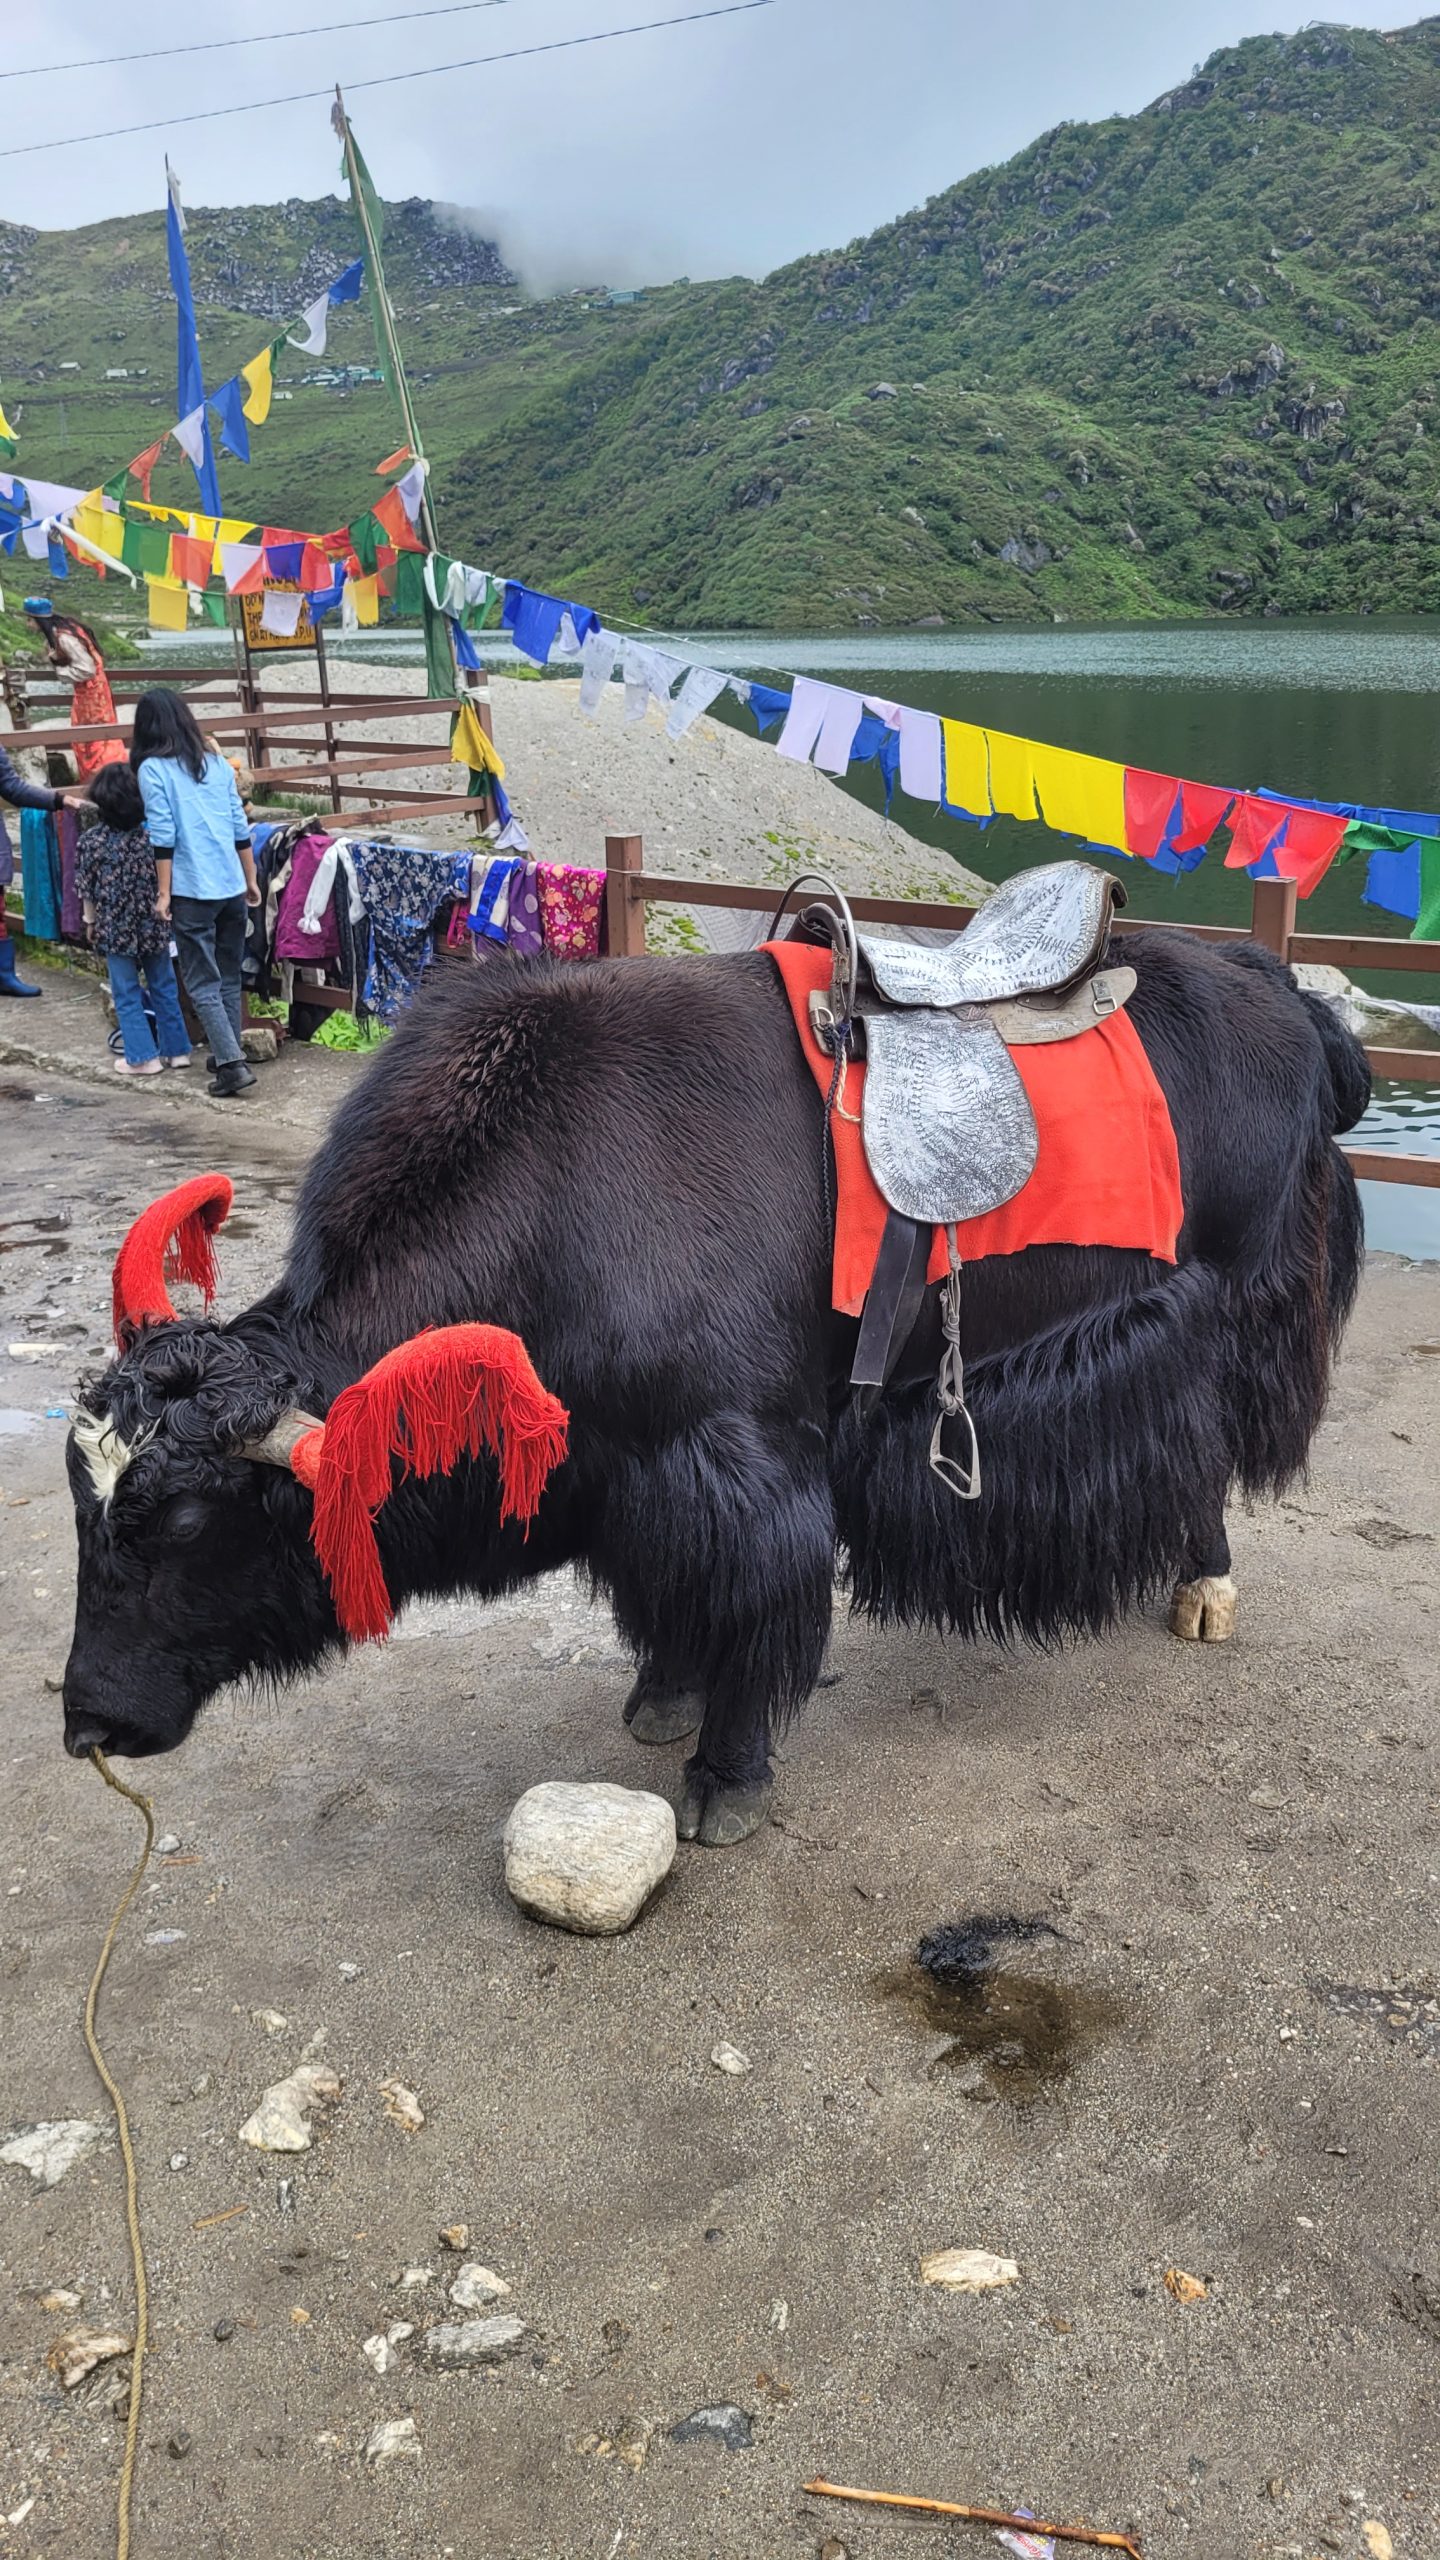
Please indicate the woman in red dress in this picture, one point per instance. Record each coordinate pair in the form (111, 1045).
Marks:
(75, 651)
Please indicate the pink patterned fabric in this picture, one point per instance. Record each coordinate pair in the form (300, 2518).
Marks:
(290, 943)
(571, 904)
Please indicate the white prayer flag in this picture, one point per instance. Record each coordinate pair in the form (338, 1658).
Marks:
(281, 613)
(411, 490)
(315, 317)
(189, 434)
(237, 559)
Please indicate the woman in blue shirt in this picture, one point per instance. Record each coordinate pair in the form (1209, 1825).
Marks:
(201, 839)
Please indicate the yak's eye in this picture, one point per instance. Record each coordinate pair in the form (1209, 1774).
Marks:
(185, 1520)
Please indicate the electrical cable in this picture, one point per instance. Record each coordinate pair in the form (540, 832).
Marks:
(225, 44)
(383, 80)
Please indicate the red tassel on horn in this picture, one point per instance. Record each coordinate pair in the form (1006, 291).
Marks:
(445, 1394)
(171, 1240)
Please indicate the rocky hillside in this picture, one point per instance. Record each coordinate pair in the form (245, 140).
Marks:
(1183, 361)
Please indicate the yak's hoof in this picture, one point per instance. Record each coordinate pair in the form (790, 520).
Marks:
(662, 1715)
(1203, 1612)
(718, 1816)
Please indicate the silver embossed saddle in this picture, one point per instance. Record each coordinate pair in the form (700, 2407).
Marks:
(946, 1122)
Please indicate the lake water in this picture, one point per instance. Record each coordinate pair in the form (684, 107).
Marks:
(1326, 709)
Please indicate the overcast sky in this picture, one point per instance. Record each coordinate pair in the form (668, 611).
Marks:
(706, 150)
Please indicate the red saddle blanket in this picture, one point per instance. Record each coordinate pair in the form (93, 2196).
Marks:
(1108, 1170)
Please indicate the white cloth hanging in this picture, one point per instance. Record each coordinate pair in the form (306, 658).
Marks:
(597, 666)
(695, 695)
(920, 756)
(280, 613)
(820, 725)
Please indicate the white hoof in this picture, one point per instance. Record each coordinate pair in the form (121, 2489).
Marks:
(1203, 1612)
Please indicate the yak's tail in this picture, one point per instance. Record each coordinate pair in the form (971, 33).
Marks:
(1106, 1450)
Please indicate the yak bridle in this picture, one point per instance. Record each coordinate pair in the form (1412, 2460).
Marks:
(450, 1392)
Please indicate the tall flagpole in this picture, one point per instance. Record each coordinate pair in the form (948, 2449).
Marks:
(473, 681)
(375, 270)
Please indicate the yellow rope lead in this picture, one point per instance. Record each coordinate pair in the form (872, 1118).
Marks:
(127, 2154)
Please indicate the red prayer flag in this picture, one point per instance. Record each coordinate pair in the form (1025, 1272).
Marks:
(317, 570)
(143, 465)
(1202, 806)
(1149, 804)
(392, 461)
(1312, 840)
(191, 559)
(1254, 826)
(389, 511)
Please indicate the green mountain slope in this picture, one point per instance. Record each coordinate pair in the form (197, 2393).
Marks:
(1176, 362)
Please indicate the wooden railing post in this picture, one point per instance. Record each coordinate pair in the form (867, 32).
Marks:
(624, 906)
(1272, 915)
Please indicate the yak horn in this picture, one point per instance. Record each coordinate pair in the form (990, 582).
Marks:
(277, 1449)
(171, 1240)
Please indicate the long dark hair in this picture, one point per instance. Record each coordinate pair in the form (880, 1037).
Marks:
(52, 624)
(165, 726)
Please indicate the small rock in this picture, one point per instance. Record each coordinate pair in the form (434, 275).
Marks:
(587, 1858)
(975, 2083)
(398, 2331)
(60, 2298)
(1376, 2538)
(729, 2059)
(165, 1937)
(458, 2346)
(780, 2315)
(1185, 2288)
(48, 2150)
(395, 2440)
(166, 1845)
(284, 2195)
(79, 2352)
(270, 2020)
(223, 2330)
(201, 2088)
(413, 2279)
(348, 1972)
(179, 2444)
(476, 2287)
(724, 2424)
(402, 2106)
(37, 1351)
(299, 2319)
(378, 2352)
(455, 2235)
(967, 2270)
(830, 2549)
(632, 2442)
(179, 2159)
(281, 2122)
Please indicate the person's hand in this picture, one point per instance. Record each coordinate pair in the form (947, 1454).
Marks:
(75, 800)
(254, 896)
(162, 909)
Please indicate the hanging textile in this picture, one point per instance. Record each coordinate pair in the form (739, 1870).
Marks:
(1012, 775)
(40, 865)
(258, 378)
(820, 726)
(1151, 800)
(169, 604)
(920, 755)
(242, 565)
(281, 612)
(191, 559)
(1204, 806)
(966, 770)
(394, 520)
(469, 744)
(402, 887)
(572, 902)
(1255, 825)
(363, 594)
(228, 404)
(1080, 795)
(533, 620)
(597, 666)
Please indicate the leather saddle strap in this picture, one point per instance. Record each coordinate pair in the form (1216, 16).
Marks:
(892, 1304)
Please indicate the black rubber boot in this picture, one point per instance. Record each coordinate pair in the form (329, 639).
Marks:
(235, 1079)
(10, 985)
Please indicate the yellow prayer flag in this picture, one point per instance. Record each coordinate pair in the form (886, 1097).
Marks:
(7, 432)
(469, 744)
(225, 528)
(365, 593)
(1080, 795)
(967, 768)
(168, 604)
(88, 520)
(1012, 775)
(259, 381)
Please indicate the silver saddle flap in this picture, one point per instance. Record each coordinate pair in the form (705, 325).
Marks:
(946, 1122)
(1037, 932)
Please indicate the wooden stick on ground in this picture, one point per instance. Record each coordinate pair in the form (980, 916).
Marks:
(978, 2515)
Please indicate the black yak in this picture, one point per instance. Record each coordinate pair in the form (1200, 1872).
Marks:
(623, 1164)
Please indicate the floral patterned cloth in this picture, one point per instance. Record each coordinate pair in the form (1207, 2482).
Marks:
(571, 904)
(402, 887)
(115, 874)
(523, 933)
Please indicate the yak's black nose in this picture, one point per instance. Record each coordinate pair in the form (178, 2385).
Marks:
(84, 1734)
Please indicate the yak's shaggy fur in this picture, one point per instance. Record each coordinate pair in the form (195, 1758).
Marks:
(625, 1164)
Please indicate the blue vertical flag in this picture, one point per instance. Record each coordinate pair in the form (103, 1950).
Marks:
(190, 389)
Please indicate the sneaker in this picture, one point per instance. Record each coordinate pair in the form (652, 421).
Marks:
(147, 1067)
(176, 1062)
(234, 1079)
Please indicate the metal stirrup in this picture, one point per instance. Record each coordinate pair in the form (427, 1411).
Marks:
(959, 1475)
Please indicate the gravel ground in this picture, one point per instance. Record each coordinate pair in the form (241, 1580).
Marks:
(1223, 2062)
(714, 805)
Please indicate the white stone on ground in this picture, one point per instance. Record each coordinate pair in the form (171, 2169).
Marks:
(453, 2346)
(48, 2150)
(587, 1858)
(281, 2122)
(476, 2287)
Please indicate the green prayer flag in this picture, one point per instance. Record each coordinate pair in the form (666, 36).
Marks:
(366, 535)
(1427, 923)
(212, 609)
(439, 661)
(363, 186)
(116, 486)
(410, 596)
(145, 547)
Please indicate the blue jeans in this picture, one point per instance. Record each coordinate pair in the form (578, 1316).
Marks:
(211, 936)
(159, 974)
